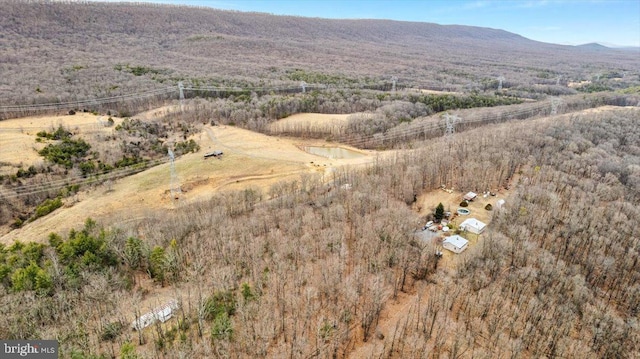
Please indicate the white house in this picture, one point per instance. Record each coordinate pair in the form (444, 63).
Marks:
(455, 243)
(472, 225)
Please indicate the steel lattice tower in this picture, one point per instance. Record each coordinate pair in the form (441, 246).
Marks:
(181, 89)
(555, 103)
(450, 121)
(174, 185)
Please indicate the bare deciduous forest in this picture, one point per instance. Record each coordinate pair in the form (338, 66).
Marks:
(55, 51)
(311, 267)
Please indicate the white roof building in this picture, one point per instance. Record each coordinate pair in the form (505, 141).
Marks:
(472, 225)
(162, 314)
(455, 243)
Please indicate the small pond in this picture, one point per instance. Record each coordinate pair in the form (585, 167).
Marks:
(463, 211)
(333, 152)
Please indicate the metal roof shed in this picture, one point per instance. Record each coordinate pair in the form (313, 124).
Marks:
(455, 243)
(470, 196)
(473, 225)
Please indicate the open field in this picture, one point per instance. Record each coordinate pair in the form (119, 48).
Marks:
(250, 160)
(333, 124)
(18, 136)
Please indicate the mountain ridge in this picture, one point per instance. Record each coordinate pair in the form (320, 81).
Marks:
(65, 50)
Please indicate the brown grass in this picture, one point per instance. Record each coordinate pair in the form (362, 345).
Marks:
(18, 136)
(250, 159)
(334, 124)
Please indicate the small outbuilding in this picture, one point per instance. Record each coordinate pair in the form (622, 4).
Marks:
(473, 225)
(455, 243)
(470, 196)
(500, 203)
(213, 154)
(162, 314)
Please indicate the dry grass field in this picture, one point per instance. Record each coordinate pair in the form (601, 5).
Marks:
(334, 124)
(250, 160)
(18, 136)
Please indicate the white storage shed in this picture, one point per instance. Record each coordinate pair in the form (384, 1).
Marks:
(455, 243)
(472, 225)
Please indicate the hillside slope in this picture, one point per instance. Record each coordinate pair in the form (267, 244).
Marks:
(56, 51)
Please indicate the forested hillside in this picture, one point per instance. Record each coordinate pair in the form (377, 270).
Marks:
(332, 262)
(60, 51)
(309, 272)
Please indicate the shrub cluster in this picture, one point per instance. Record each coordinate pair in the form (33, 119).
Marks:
(66, 153)
(187, 146)
(30, 267)
(60, 134)
(48, 206)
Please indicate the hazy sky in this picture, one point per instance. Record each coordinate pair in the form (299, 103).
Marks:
(572, 22)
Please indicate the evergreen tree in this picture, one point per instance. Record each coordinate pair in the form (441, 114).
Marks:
(439, 212)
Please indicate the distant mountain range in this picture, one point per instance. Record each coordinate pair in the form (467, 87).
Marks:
(63, 49)
(607, 46)
(595, 46)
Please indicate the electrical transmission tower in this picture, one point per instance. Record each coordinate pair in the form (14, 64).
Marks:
(394, 80)
(174, 185)
(500, 79)
(555, 103)
(181, 89)
(450, 121)
(303, 85)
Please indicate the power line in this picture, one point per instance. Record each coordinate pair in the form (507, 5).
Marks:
(421, 128)
(79, 180)
(391, 135)
(150, 93)
(79, 103)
